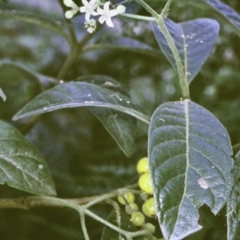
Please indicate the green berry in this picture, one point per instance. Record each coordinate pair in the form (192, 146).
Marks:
(143, 166)
(150, 227)
(125, 198)
(145, 183)
(149, 207)
(137, 219)
(131, 208)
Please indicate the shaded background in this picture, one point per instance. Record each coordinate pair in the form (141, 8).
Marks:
(83, 158)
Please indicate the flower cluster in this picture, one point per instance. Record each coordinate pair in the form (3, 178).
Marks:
(93, 8)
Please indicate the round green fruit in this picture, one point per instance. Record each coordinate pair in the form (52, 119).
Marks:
(126, 197)
(149, 207)
(143, 165)
(137, 219)
(150, 227)
(145, 183)
(131, 208)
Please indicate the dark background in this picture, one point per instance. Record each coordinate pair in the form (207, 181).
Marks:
(83, 158)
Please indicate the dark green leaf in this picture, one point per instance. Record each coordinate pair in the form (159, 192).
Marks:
(121, 126)
(125, 44)
(21, 165)
(233, 205)
(81, 94)
(194, 41)
(190, 163)
(227, 12)
(34, 19)
(19, 86)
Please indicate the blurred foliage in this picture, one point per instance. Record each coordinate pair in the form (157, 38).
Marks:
(83, 158)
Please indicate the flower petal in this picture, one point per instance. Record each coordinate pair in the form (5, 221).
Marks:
(113, 12)
(102, 19)
(100, 11)
(106, 6)
(82, 9)
(109, 22)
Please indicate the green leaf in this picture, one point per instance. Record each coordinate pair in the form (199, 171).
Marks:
(233, 205)
(125, 224)
(19, 86)
(226, 12)
(194, 41)
(122, 127)
(33, 18)
(21, 165)
(190, 163)
(81, 94)
(125, 44)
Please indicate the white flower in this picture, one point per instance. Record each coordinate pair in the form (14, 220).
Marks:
(73, 11)
(89, 9)
(107, 14)
(90, 25)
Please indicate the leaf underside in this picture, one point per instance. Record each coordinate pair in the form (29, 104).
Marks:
(233, 205)
(21, 165)
(194, 41)
(226, 11)
(190, 164)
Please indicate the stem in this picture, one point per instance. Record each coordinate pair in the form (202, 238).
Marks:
(42, 201)
(160, 21)
(83, 224)
(137, 17)
(129, 235)
(75, 51)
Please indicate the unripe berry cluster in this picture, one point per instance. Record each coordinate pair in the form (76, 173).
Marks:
(148, 207)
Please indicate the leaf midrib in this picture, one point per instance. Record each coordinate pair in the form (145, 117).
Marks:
(186, 111)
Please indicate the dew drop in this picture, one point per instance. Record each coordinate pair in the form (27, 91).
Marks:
(18, 166)
(44, 108)
(89, 95)
(128, 102)
(61, 81)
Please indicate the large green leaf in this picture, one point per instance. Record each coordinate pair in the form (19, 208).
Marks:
(21, 165)
(194, 41)
(19, 86)
(122, 127)
(33, 18)
(233, 205)
(81, 94)
(190, 163)
(227, 12)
